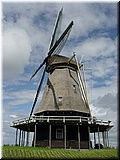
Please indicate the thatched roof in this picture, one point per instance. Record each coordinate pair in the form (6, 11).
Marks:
(58, 61)
(62, 90)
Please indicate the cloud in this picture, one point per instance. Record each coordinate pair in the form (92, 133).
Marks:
(16, 52)
(91, 17)
(95, 111)
(13, 116)
(19, 97)
(105, 108)
(97, 46)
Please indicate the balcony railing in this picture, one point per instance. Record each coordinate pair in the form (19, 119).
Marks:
(61, 119)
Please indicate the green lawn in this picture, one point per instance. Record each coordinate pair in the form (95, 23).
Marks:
(46, 153)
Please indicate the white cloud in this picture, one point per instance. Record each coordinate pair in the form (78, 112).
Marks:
(13, 116)
(97, 46)
(95, 111)
(19, 97)
(105, 108)
(92, 16)
(5, 134)
(101, 91)
(16, 51)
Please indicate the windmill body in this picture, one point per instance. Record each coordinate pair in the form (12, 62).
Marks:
(63, 118)
(62, 91)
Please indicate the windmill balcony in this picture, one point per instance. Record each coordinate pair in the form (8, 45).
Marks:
(54, 131)
(61, 119)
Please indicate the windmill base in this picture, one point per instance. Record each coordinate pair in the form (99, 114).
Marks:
(68, 132)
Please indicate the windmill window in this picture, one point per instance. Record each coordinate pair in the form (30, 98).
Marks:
(59, 133)
(60, 99)
(74, 87)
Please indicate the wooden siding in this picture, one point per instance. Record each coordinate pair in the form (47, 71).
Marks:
(42, 136)
(71, 144)
(42, 132)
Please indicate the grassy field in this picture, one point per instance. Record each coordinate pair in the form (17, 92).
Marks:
(11, 152)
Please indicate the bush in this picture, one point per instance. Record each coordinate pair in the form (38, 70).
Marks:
(97, 146)
(6, 145)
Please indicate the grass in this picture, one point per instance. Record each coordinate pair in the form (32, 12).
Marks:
(17, 152)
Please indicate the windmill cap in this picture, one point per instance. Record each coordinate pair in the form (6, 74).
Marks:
(58, 61)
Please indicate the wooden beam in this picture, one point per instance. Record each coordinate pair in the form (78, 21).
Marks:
(35, 136)
(79, 137)
(27, 138)
(23, 138)
(64, 136)
(94, 139)
(81, 85)
(16, 136)
(19, 137)
(107, 138)
(98, 138)
(103, 136)
(71, 58)
(50, 135)
(85, 88)
(28, 132)
(89, 136)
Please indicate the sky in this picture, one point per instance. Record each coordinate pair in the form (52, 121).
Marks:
(26, 33)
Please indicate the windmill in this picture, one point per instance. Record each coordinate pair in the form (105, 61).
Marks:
(56, 45)
(63, 118)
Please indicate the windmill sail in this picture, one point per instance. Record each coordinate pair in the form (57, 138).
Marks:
(57, 28)
(38, 91)
(62, 38)
(62, 43)
(57, 47)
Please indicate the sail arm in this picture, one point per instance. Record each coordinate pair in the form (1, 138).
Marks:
(37, 93)
(68, 29)
(62, 43)
(57, 29)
